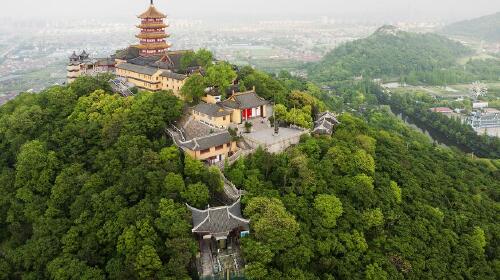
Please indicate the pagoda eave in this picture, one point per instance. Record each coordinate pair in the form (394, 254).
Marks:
(153, 46)
(152, 36)
(152, 25)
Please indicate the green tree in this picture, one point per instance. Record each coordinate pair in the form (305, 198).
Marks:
(174, 185)
(397, 192)
(147, 263)
(256, 271)
(272, 224)
(477, 241)
(86, 85)
(329, 208)
(204, 58)
(220, 75)
(66, 268)
(196, 195)
(35, 174)
(375, 272)
(171, 159)
(193, 169)
(171, 219)
(194, 88)
(373, 218)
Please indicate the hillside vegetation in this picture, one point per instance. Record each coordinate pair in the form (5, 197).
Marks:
(484, 28)
(375, 201)
(90, 188)
(388, 53)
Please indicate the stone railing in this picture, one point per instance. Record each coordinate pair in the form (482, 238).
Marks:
(230, 189)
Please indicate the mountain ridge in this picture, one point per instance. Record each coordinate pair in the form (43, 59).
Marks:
(484, 28)
(388, 52)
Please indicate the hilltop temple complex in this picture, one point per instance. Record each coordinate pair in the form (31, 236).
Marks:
(149, 65)
(220, 129)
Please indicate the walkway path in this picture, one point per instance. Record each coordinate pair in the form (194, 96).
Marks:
(206, 258)
(231, 192)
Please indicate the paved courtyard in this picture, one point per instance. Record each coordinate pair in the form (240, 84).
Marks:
(274, 143)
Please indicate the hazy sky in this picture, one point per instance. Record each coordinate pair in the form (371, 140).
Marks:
(232, 10)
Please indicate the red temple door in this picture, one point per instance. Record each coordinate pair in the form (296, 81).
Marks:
(247, 113)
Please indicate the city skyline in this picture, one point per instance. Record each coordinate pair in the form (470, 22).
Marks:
(224, 10)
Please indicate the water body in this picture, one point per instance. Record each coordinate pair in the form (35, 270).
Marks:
(434, 135)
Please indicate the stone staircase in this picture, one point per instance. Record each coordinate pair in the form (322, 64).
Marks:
(119, 87)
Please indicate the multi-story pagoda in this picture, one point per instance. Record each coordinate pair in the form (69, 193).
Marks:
(153, 36)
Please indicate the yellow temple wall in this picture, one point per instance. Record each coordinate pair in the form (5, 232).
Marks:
(172, 84)
(215, 121)
(149, 82)
(236, 116)
(229, 147)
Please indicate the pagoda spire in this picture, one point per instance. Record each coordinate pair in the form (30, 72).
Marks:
(152, 3)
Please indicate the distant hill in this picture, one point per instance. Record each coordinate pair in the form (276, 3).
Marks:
(484, 28)
(389, 52)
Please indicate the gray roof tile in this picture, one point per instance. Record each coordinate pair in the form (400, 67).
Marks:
(212, 110)
(218, 221)
(137, 68)
(244, 100)
(203, 143)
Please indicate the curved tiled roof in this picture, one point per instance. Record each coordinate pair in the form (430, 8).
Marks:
(172, 75)
(218, 221)
(244, 100)
(212, 110)
(137, 68)
(207, 142)
(325, 123)
(152, 12)
(152, 25)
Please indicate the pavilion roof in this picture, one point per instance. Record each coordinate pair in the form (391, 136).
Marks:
(218, 221)
(328, 116)
(325, 123)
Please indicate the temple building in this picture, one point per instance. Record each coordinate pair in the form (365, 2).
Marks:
(148, 65)
(236, 109)
(212, 148)
(325, 123)
(219, 223)
(83, 64)
(219, 230)
(152, 36)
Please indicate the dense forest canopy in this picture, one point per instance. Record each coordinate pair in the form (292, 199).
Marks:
(91, 188)
(389, 52)
(484, 28)
(393, 55)
(376, 201)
